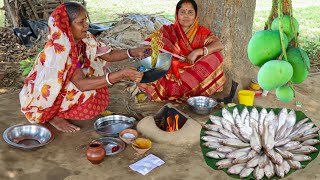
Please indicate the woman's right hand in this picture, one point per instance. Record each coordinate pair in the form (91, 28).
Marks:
(131, 73)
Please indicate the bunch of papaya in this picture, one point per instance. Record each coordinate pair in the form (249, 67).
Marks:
(279, 70)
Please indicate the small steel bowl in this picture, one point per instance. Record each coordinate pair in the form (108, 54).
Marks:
(27, 136)
(112, 125)
(201, 104)
(112, 145)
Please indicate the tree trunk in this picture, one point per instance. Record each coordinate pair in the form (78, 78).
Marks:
(232, 22)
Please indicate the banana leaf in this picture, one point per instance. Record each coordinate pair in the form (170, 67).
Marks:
(212, 162)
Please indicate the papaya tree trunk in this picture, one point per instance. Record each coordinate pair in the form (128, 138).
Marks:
(232, 22)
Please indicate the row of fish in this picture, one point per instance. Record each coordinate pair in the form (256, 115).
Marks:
(263, 143)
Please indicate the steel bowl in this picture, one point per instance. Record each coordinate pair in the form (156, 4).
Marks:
(162, 67)
(112, 125)
(112, 145)
(201, 104)
(27, 136)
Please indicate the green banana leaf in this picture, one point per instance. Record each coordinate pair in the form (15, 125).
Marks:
(212, 162)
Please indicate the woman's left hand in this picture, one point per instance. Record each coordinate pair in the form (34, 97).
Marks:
(141, 51)
(192, 57)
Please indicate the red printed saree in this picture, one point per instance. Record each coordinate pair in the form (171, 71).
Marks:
(184, 80)
(48, 91)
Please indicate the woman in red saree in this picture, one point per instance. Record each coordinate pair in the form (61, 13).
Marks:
(197, 67)
(68, 80)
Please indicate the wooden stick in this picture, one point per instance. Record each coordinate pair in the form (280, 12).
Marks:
(33, 10)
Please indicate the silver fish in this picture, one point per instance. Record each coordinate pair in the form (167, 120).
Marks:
(246, 172)
(255, 141)
(239, 123)
(224, 163)
(236, 169)
(225, 149)
(236, 132)
(211, 138)
(263, 161)
(282, 142)
(282, 131)
(212, 127)
(296, 126)
(301, 157)
(291, 118)
(216, 155)
(227, 133)
(244, 113)
(288, 132)
(227, 115)
(235, 113)
(247, 121)
(279, 158)
(286, 167)
(303, 128)
(215, 120)
(285, 154)
(236, 143)
(236, 154)
(304, 150)
(282, 117)
(268, 169)
(241, 159)
(263, 114)
(294, 164)
(310, 142)
(279, 169)
(212, 145)
(254, 114)
(258, 173)
(215, 134)
(270, 117)
(226, 124)
(311, 131)
(253, 162)
(304, 138)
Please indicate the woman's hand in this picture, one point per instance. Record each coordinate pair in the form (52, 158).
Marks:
(132, 74)
(141, 51)
(192, 57)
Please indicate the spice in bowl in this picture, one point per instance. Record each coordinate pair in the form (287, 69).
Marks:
(128, 135)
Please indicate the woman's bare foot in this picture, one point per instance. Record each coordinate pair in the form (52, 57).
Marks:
(63, 125)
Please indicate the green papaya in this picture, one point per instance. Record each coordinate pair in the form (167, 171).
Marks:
(287, 28)
(274, 74)
(300, 63)
(285, 93)
(264, 46)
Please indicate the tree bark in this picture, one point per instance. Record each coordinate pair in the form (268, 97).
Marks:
(232, 22)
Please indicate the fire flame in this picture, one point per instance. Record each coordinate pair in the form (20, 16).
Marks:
(173, 124)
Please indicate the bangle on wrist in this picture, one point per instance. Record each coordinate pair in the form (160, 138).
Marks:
(108, 80)
(128, 53)
(205, 51)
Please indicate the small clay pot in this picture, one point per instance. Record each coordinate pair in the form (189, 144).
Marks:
(95, 152)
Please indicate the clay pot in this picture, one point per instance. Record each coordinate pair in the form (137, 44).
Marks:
(95, 152)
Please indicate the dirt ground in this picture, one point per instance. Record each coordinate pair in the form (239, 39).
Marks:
(64, 157)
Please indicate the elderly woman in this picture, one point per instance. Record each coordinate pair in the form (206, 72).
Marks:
(196, 67)
(68, 80)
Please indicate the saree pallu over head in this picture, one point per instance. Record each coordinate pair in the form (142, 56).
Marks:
(184, 80)
(48, 91)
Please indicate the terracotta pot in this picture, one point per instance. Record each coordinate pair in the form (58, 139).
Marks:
(95, 152)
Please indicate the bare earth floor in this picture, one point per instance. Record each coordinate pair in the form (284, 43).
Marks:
(64, 157)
